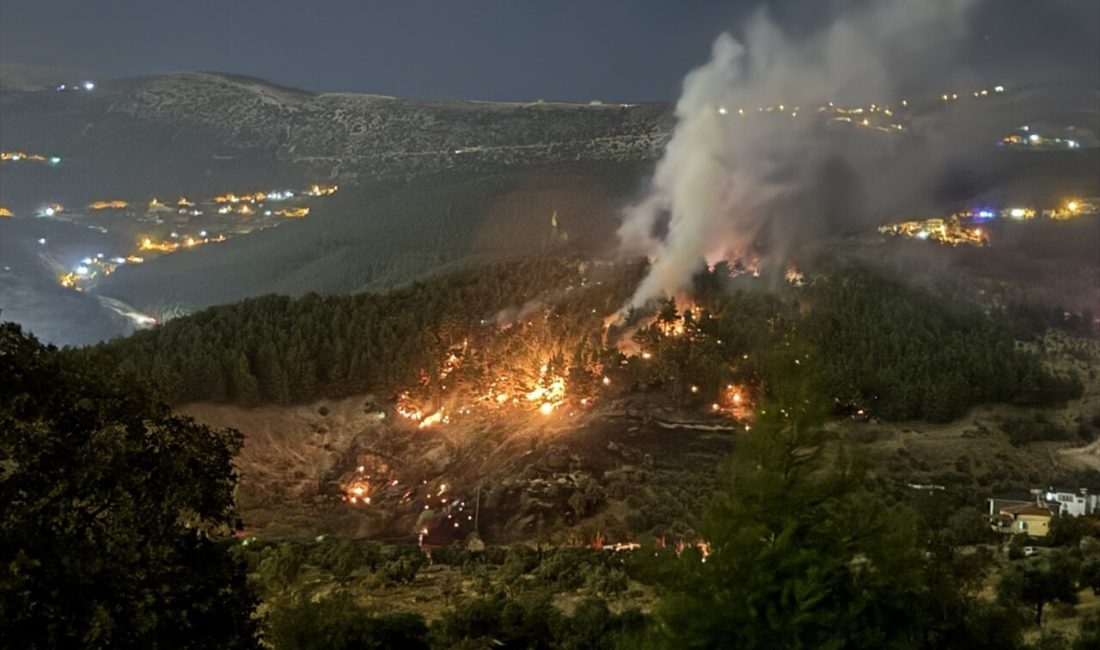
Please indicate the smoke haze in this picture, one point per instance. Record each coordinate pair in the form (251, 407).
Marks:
(738, 183)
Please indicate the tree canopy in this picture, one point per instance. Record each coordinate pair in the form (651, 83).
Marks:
(802, 554)
(112, 509)
(894, 351)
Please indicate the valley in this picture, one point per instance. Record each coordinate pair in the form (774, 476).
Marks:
(558, 374)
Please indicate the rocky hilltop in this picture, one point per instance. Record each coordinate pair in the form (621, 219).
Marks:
(423, 185)
(191, 127)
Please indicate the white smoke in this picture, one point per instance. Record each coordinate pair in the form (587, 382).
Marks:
(739, 184)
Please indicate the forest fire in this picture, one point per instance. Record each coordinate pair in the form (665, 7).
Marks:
(357, 492)
(674, 317)
(543, 391)
(549, 393)
(435, 418)
(734, 401)
(407, 411)
(535, 379)
(527, 367)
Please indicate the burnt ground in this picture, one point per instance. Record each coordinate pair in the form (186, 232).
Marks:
(619, 469)
(625, 469)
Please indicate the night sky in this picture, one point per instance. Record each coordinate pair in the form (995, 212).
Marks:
(615, 50)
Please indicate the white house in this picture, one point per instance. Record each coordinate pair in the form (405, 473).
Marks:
(1074, 504)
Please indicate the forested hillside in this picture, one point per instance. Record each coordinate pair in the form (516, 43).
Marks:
(283, 350)
(908, 354)
(878, 345)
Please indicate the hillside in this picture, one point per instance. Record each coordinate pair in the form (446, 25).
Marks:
(193, 133)
(515, 379)
(380, 238)
(424, 187)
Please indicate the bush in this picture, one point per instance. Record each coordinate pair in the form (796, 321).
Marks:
(344, 557)
(400, 570)
(1016, 547)
(281, 566)
(1090, 634)
(567, 568)
(1022, 431)
(502, 622)
(495, 621)
(338, 624)
(968, 526)
(605, 581)
(1069, 531)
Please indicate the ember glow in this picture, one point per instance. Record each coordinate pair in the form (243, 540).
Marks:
(734, 401)
(357, 492)
(433, 419)
(518, 369)
(458, 392)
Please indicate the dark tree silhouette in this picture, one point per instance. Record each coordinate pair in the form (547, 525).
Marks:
(112, 507)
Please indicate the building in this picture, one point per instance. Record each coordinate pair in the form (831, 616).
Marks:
(1031, 518)
(1073, 504)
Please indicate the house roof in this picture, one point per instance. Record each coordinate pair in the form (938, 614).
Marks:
(1027, 509)
(998, 505)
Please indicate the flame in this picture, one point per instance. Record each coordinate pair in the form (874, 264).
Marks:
(111, 204)
(734, 402)
(358, 491)
(433, 419)
(405, 410)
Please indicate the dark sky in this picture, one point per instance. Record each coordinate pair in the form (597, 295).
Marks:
(489, 49)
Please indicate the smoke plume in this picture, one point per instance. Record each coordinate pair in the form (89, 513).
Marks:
(740, 182)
